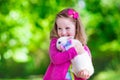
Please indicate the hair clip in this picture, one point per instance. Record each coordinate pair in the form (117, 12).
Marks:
(73, 13)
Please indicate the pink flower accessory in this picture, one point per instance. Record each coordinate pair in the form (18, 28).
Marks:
(73, 13)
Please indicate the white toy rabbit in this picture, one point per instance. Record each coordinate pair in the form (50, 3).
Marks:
(79, 62)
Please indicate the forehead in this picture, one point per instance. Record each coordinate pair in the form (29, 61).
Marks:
(62, 21)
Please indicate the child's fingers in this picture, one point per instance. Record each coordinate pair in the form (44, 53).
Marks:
(80, 74)
(83, 74)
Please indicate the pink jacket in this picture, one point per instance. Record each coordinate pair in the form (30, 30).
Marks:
(59, 62)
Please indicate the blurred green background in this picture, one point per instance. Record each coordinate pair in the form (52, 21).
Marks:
(24, 36)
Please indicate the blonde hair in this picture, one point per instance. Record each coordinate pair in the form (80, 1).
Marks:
(80, 32)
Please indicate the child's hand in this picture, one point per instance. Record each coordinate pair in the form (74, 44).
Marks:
(83, 74)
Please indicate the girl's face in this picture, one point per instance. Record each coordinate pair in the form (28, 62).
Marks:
(65, 27)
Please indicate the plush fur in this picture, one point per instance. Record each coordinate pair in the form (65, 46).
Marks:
(81, 61)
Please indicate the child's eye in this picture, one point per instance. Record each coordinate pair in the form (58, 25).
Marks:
(67, 28)
(59, 28)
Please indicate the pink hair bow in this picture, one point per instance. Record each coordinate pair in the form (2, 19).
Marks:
(73, 13)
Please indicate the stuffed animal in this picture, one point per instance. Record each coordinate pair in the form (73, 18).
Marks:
(81, 61)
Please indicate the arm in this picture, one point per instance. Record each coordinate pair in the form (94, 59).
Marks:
(58, 57)
(79, 47)
(84, 73)
(88, 50)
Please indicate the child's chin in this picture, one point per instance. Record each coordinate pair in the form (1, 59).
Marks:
(71, 37)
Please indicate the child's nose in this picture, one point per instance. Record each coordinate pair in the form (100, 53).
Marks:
(64, 33)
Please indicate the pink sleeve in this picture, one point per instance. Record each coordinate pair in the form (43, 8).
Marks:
(87, 49)
(58, 57)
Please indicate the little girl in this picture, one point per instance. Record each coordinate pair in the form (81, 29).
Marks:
(67, 23)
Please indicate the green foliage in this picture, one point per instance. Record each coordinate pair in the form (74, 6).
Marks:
(24, 35)
(108, 75)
